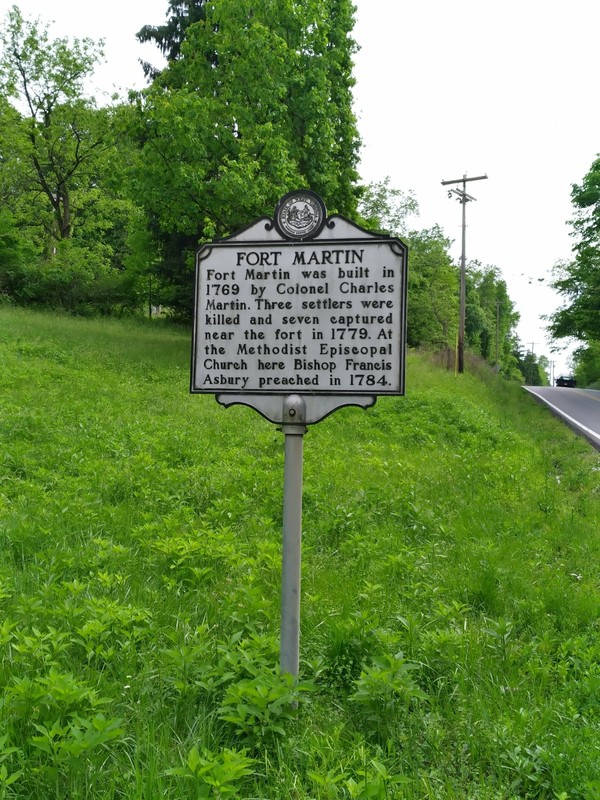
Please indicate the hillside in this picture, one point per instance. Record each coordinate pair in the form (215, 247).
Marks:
(450, 597)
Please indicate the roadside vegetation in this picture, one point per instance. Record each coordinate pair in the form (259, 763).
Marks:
(104, 202)
(450, 599)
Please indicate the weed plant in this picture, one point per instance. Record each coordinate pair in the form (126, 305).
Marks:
(450, 604)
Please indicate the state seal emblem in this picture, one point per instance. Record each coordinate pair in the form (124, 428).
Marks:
(300, 215)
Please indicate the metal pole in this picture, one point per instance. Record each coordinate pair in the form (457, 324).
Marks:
(294, 416)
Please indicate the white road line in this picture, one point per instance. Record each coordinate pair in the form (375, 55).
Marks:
(560, 413)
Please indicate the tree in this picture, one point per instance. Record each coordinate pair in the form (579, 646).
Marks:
(225, 47)
(15, 255)
(385, 208)
(544, 370)
(490, 316)
(255, 101)
(586, 360)
(434, 283)
(62, 177)
(56, 135)
(170, 36)
(578, 281)
(432, 314)
(432, 290)
(533, 369)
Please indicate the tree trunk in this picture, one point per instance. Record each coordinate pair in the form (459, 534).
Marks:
(63, 213)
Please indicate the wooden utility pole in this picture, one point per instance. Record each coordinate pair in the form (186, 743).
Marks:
(463, 198)
(497, 333)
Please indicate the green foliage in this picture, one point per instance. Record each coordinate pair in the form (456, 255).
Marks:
(534, 369)
(432, 291)
(384, 693)
(77, 279)
(490, 317)
(15, 253)
(432, 316)
(57, 134)
(170, 36)
(78, 738)
(587, 365)
(577, 280)
(62, 183)
(8, 755)
(140, 565)
(42, 698)
(386, 209)
(215, 775)
(261, 707)
(350, 643)
(219, 145)
(373, 781)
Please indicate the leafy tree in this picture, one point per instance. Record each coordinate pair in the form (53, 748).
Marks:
(586, 360)
(526, 366)
(56, 135)
(170, 36)
(578, 281)
(544, 370)
(432, 313)
(255, 100)
(434, 283)
(385, 208)
(62, 176)
(432, 290)
(533, 369)
(490, 316)
(15, 255)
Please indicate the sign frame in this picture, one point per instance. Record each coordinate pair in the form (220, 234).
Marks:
(266, 244)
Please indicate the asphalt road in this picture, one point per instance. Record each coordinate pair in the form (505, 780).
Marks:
(578, 408)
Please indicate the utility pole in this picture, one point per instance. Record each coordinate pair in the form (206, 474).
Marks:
(497, 333)
(532, 365)
(463, 198)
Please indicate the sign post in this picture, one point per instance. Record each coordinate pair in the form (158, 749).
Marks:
(296, 317)
(293, 428)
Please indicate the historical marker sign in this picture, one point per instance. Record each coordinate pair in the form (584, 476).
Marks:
(296, 317)
(303, 304)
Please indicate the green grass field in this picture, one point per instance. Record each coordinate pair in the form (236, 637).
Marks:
(450, 603)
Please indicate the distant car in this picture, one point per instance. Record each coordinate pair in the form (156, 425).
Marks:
(566, 380)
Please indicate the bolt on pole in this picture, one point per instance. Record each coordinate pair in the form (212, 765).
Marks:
(463, 198)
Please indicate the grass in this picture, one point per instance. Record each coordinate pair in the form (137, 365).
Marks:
(450, 608)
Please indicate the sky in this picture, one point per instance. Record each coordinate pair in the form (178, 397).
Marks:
(444, 89)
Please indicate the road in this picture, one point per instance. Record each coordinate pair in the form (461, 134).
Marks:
(578, 408)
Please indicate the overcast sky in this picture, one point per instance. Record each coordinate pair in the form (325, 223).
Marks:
(445, 89)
